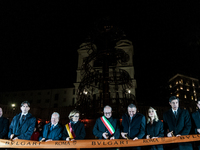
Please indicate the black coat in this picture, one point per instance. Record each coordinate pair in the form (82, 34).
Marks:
(54, 134)
(4, 124)
(179, 125)
(135, 128)
(99, 128)
(27, 128)
(155, 130)
(78, 129)
(196, 119)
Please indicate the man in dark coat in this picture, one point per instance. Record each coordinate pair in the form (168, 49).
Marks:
(23, 124)
(100, 129)
(53, 130)
(196, 120)
(3, 125)
(133, 125)
(177, 122)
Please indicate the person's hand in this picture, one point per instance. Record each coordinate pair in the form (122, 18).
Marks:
(15, 138)
(154, 137)
(112, 138)
(178, 135)
(136, 138)
(11, 136)
(105, 135)
(170, 134)
(198, 130)
(124, 135)
(148, 137)
(48, 140)
(67, 139)
(42, 140)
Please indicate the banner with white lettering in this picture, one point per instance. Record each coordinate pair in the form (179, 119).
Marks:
(96, 143)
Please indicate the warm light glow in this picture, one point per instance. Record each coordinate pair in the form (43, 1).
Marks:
(177, 95)
(188, 89)
(194, 91)
(195, 99)
(192, 98)
(13, 105)
(181, 88)
(176, 82)
(170, 86)
(177, 89)
(185, 96)
(192, 84)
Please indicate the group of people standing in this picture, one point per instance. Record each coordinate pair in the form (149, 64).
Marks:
(176, 122)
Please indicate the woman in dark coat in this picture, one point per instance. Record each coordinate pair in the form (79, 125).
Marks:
(75, 129)
(154, 128)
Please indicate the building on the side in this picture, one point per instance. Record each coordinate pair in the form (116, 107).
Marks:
(186, 89)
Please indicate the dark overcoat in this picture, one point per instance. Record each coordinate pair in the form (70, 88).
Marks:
(99, 128)
(155, 130)
(179, 125)
(135, 127)
(78, 129)
(54, 134)
(4, 124)
(26, 129)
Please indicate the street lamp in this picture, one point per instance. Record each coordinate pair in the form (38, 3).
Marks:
(13, 106)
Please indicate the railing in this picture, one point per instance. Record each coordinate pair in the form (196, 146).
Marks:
(78, 144)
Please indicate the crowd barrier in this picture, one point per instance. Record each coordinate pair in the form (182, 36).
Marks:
(95, 143)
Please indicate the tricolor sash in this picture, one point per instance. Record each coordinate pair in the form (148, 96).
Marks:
(108, 125)
(70, 131)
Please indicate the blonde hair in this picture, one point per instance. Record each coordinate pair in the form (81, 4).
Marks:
(72, 113)
(155, 115)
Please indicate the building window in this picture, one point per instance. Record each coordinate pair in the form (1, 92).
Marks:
(192, 98)
(181, 88)
(47, 100)
(194, 91)
(177, 95)
(177, 89)
(188, 89)
(176, 82)
(170, 86)
(56, 97)
(181, 81)
(193, 84)
(195, 99)
(185, 96)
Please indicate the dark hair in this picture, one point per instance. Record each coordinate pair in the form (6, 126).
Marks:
(131, 106)
(173, 98)
(25, 102)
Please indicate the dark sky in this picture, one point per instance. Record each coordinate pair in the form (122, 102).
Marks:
(39, 41)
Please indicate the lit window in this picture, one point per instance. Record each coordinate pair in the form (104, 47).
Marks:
(192, 84)
(177, 95)
(194, 94)
(170, 86)
(185, 96)
(195, 99)
(194, 91)
(176, 82)
(177, 89)
(192, 98)
(181, 88)
(188, 89)
(181, 81)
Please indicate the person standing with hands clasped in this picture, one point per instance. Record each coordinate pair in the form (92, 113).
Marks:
(154, 128)
(177, 122)
(75, 129)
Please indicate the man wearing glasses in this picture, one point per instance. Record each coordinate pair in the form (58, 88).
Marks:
(133, 125)
(106, 127)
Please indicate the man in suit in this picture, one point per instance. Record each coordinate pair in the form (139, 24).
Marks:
(23, 124)
(3, 125)
(53, 130)
(101, 131)
(133, 125)
(177, 122)
(196, 120)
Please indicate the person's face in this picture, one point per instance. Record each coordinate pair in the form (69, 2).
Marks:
(174, 104)
(107, 112)
(54, 119)
(25, 108)
(132, 111)
(151, 113)
(198, 104)
(75, 118)
(1, 112)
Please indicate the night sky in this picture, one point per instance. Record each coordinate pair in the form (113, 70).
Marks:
(39, 41)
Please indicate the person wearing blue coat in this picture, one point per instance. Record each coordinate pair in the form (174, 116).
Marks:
(154, 128)
(3, 125)
(23, 124)
(133, 125)
(53, 130)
